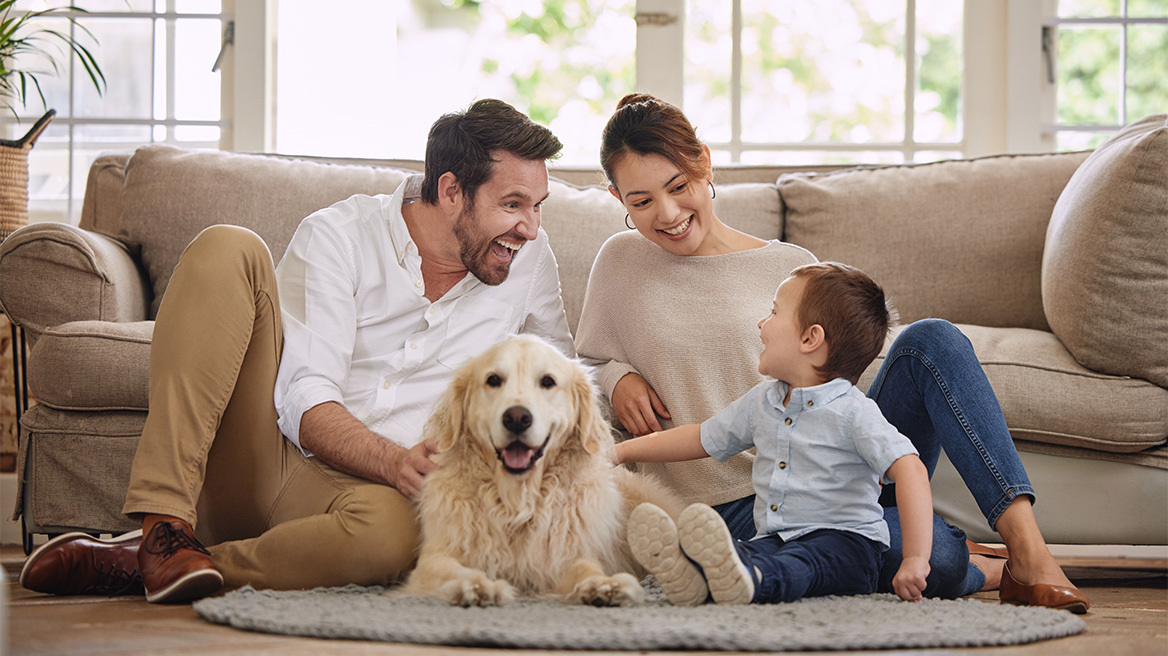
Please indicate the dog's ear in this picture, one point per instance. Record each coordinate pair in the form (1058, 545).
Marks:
(595, 433)
(445, 422)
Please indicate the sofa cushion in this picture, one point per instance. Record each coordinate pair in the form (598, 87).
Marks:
(92, 365)
(1105, 273)
(1049, 398)
(170, 195)
(579, 219)
(960, 240)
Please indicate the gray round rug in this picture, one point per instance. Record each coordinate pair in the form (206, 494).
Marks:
(880, 621)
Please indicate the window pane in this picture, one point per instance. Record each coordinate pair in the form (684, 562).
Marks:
(565, 63)
(938, 97)
(48, 175)
(823, 71)
(1147, 70)
(1147, 8)
(1088, 8)
(707, 91)
(198, 6)
(1089, 79)
(805, 157)
(110, 6)
(1069, 140)
(53, 84)
(125, 58)
(196, 88)
(197, 136)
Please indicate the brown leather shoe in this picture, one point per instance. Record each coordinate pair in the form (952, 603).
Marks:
(79, 564)
(1041, 594)
(976, 549)
(175, 567)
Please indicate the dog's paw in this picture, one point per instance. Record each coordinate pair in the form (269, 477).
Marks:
(617, 590)
(477, 589)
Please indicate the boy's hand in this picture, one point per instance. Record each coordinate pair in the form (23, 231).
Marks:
(909, 582)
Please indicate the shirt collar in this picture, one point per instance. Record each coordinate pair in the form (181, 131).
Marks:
(818, 395)
(409, 191)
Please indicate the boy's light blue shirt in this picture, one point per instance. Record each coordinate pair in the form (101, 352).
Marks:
(820, 459)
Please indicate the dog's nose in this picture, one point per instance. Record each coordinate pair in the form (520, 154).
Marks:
(517, 419)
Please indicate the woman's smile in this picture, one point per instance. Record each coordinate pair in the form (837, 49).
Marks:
(679, 231)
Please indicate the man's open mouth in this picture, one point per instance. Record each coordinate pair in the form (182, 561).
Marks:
(518, 457)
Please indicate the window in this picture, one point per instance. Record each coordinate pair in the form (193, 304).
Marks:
(157, 58)
(400, 65)
(791, 82)
(1108, 61)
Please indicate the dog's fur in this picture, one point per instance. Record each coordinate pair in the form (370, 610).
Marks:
(534, 510)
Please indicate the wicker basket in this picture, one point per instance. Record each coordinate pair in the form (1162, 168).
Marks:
(14, 177)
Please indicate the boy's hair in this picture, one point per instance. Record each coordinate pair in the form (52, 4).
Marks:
(462, 143)
(853, 312)
(645, 125)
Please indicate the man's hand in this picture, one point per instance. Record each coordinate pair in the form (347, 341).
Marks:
(410, 466)
(909, 582)
(637, 406)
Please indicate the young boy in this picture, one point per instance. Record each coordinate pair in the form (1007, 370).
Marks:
(823, 449)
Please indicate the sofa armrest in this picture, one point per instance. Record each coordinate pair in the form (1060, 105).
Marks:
(53, 273)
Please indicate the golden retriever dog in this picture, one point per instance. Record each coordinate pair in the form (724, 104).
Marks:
(526, 500)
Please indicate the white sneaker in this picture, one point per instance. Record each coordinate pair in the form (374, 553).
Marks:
(705, 538)
(653, 540)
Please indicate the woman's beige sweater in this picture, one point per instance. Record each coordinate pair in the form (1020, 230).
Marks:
(689, 326)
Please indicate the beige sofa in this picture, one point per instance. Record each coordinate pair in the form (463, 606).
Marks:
(1054, 266)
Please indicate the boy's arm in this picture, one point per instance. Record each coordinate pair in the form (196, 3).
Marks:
(914, 502)
(673, 445)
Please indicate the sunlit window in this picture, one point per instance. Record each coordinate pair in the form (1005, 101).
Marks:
(787, 81)
(157, 58)
(1109, 61)
(391, 68)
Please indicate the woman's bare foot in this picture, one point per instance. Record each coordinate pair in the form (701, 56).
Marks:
(991, 568)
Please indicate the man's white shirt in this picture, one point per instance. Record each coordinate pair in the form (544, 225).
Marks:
(358, 330)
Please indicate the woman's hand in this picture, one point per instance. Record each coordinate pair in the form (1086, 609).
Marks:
(909, 582)
(637, 406)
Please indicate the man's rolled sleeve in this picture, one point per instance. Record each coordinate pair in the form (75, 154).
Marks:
(318, 312)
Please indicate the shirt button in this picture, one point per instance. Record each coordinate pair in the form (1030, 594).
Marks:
(413, 346)
(782, 465)
(774, 507)
(410, 246)
(787, 421)
(417, 283)
(385, 385)
(810, 403)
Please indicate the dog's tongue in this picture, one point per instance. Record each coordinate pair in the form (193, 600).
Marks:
(517, 455)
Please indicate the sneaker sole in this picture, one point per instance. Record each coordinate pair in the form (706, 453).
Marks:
(653, 540)
(194, 585)
(705, 538)
(69, 537)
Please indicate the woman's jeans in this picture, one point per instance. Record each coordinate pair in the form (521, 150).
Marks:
(932, 388)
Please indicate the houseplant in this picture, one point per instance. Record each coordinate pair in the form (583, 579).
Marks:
(30, 49)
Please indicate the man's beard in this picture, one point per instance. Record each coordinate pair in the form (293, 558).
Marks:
(475, 250)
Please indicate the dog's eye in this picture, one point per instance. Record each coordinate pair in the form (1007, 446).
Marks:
(547, 382)
(494, 381)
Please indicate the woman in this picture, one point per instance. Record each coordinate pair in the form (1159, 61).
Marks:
(668, 308)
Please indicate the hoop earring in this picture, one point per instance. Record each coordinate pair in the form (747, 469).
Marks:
(627, 223)
(713, 191)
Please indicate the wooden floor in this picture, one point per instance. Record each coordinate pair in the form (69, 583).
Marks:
(1129, 616)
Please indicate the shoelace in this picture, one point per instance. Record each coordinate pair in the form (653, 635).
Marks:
(164, 540)
(115, 581)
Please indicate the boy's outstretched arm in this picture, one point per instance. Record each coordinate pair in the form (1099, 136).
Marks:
(673, 445)
(914, 502)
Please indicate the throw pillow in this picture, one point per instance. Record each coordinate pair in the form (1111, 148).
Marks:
(1105, 264)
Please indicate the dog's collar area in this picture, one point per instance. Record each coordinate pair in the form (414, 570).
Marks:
(518, 457)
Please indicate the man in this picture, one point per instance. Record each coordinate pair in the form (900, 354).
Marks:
(380, 299)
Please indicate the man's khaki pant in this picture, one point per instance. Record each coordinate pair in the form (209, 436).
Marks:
(212, 454)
